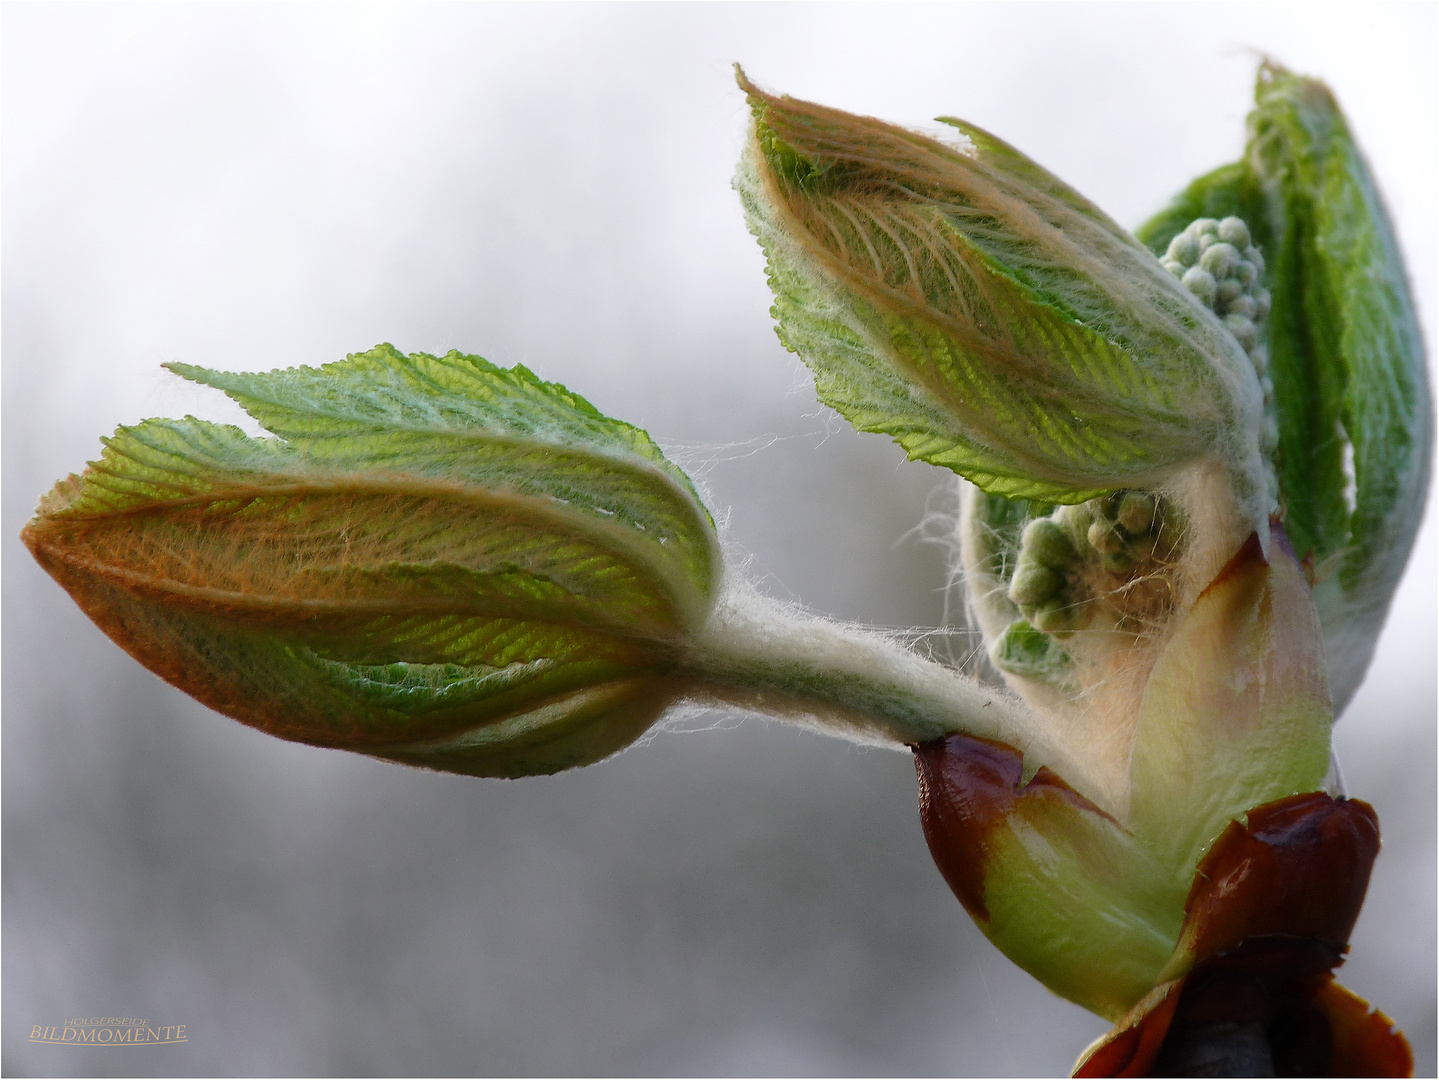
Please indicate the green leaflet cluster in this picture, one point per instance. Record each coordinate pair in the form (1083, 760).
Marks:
(437, 561)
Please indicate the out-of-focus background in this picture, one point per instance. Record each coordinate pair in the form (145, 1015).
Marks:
(252, 187)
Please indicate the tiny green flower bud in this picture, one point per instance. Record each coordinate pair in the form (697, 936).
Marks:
(1202, 284)
(1034, 583)
(1229, 290)
(1244, 306)
(1107, 506)
(1184, 250)
(1243, 330)
(1105, 538)
(1023, 650)
(1075, 520)
(1219, 259)
(1056, 615)
(1119, 562)
(1235, 232)
(1269, 436)
(1047, 541)
(1136, 512)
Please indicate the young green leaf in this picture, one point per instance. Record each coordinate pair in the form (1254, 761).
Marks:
(989, 318)
(443, 562)
(1358, 343)
(1351, 391)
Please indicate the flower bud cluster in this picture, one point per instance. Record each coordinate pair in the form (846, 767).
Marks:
(1097, 550)
(1218, 262)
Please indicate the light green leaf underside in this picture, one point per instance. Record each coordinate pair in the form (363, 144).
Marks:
(584, 727)
(1025, 173)
(283, 681)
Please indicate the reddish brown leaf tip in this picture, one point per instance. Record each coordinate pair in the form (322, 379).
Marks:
(1364, 1042)
(967, 789)
(1300, 867)
(1132, 1047)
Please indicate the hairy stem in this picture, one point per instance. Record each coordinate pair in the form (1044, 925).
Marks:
(845, 680)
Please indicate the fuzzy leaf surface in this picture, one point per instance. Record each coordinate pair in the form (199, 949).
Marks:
(1359, 341)
(981, 312)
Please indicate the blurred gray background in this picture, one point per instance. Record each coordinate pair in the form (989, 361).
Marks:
(260, 186)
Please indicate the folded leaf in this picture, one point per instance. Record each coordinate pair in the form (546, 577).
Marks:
(397, 577)
(1346, 358)
(989, 318)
